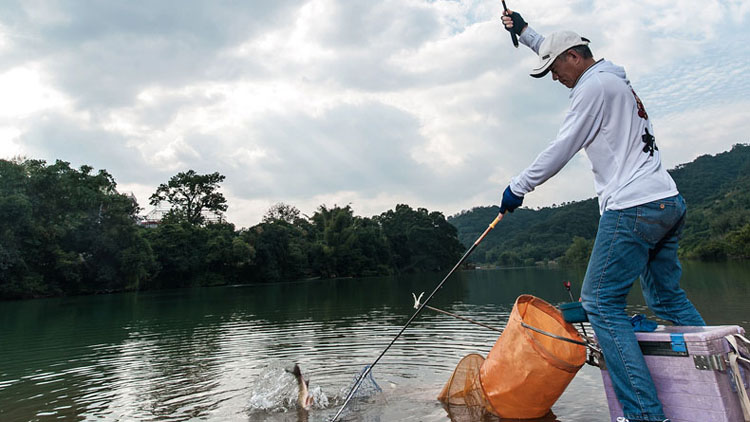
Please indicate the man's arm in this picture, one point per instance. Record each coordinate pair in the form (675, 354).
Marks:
(579, 128)
(531, 39)
(526, 35)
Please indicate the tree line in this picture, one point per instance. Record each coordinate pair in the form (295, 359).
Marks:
(66, 231)
(715, 187)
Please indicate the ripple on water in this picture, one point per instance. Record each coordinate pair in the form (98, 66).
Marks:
(222, 357)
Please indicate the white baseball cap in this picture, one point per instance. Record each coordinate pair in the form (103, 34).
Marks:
(554, 45)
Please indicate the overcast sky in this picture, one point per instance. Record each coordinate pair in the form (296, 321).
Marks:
(363, 102)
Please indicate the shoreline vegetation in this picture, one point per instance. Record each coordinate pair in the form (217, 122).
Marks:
(67, 231)
(715, 187)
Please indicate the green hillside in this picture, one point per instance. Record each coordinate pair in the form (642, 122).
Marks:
(716, 188)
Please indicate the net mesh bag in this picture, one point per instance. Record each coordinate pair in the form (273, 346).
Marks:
(462, 395)
(463, 387)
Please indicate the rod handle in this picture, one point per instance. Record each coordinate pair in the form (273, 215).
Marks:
(513, 36)
(489, 228)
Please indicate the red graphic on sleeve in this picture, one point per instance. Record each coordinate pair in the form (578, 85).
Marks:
(641, 109)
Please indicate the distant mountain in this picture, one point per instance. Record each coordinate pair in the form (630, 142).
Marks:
(716, 188)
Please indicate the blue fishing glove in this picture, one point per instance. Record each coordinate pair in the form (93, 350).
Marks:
(510, 201)
(518, 23)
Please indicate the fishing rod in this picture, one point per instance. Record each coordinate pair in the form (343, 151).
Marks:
(364, 374)
(513, 36)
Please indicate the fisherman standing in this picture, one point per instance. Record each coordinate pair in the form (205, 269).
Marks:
(642, 213)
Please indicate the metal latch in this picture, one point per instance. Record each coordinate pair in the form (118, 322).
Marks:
(710, 362)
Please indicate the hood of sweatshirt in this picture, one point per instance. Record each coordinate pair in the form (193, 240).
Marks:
(601, 66)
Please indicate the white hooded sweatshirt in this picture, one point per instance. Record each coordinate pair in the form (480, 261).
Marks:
(608, 121)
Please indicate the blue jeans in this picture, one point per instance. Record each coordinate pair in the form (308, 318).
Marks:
(638, 241)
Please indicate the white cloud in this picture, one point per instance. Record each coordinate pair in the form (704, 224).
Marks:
(46, 12)
(4, 41)
(707, 130)
(8, 142)
(371, 103)
(25, 91)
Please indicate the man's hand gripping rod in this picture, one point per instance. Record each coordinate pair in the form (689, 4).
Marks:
(513, 36)
(367, 371)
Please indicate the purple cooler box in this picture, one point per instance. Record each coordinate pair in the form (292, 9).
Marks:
(690, 370)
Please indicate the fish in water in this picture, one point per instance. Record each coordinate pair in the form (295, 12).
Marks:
(304, 399)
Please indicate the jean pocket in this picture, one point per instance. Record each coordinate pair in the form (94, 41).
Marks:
(655, 219)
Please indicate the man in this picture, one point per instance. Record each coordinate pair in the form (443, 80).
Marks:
(642, 213)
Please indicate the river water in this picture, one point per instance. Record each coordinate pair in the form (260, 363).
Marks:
(218, 354)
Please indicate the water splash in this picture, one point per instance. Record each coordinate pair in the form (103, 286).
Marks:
(320, 400)
(275, 390)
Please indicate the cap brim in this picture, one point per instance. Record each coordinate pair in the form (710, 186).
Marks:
(542, 68)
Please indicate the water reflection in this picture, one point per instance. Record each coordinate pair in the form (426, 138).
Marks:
(201, 354)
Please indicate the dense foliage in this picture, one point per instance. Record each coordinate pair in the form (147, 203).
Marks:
(527, 236)
(68, 231)
(191, 196)
(716, 188)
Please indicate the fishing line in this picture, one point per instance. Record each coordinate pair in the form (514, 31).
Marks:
(523, 324)
(416, 305)
(364, 374)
